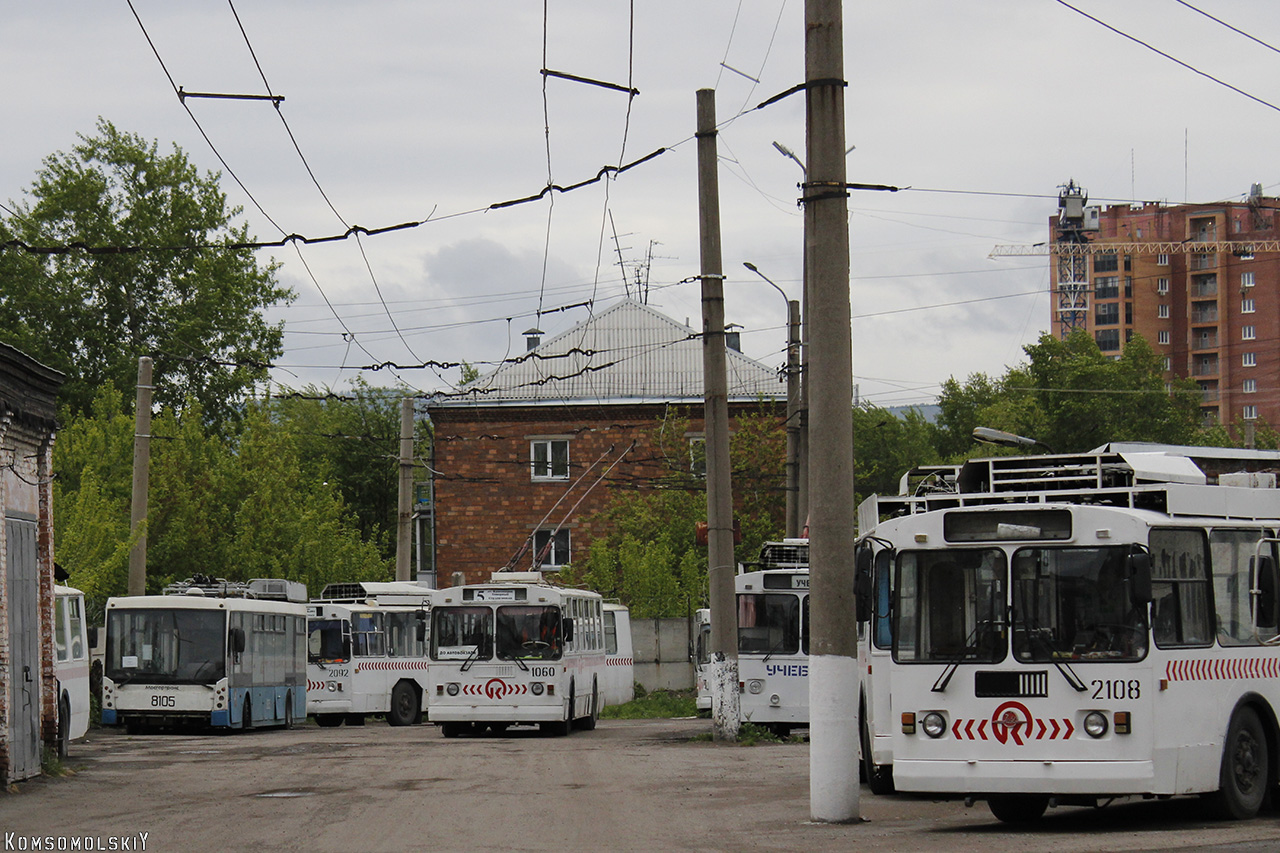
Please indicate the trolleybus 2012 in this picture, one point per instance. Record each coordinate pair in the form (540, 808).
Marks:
(210, 652)
(1071, 629)
(517, 651)
(367, 652)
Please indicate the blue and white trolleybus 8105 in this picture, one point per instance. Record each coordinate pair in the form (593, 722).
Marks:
(212, 652)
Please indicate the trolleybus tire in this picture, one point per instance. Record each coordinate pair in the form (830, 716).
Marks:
(452, 729)
(403, 710)
(355, 719)
(288, 711)
(588, 723)
(879, 779)
(64, 725)
(246, 715)
(1018, 808)
(328, 721)
(1245, 772)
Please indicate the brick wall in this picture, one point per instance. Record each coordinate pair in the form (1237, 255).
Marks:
(486, 501)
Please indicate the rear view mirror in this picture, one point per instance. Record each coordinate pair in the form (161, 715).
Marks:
(1140, 578)
(864, 562)
(1262, 587)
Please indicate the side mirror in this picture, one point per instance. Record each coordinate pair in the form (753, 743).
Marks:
(93, 636)
(1262, 585)
(1140, 578)
(421, 630)
(568, 629)
(235, 641)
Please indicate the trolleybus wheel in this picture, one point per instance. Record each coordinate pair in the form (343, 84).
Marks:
(288, 711)
(64, 725)
(879, 779)
(1018, 808)
(451, 729)
(404, 705)
(246, 716)
(328, 721)
(355, 719)
(1245, 768)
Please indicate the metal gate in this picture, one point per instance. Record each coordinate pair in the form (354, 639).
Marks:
(24, 649)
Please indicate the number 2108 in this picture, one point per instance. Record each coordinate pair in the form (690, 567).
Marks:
(1117, 689)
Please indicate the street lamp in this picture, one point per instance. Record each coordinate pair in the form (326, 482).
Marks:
(793, 406)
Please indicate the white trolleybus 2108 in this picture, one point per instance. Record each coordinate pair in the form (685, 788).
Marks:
(367, 653)
(517, 651)
(1070, 629)
(71, 644)
(773, 637)
(210, 652)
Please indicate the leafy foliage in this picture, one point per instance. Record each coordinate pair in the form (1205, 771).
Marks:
(196, 312)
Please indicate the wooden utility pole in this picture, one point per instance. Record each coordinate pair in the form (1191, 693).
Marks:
(721, 562)
(404, 506)
(141, 480)
(833, 649)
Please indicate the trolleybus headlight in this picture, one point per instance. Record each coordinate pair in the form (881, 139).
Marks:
(755, 685)
(775, 700)
(452, 689)
(933, 724)
(1095, 724)
(536, 687)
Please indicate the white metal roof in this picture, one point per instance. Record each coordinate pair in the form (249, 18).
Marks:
(628, 353)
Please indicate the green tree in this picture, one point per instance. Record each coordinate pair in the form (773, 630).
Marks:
(91, 315)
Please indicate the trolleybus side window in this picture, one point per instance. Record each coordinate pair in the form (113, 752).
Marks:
(404, 637)
(367, 634)
(1076, 603)
(883, 636)
(950, 606)
(610, 633)
(1181, 608)
(1232, 552)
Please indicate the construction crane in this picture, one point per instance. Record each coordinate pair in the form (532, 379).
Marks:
(1074, 245)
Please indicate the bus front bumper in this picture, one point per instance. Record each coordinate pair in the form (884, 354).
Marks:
(1025, 777)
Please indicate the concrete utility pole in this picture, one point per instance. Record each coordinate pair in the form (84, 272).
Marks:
(141, 479)
(833, 649)
(721, 562)
(404, 507)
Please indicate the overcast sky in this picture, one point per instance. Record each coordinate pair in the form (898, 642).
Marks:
(430, 110)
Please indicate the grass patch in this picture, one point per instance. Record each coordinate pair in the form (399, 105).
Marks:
(659, 703)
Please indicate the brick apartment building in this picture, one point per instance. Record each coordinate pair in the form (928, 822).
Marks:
(519, 451)
(1199, 282)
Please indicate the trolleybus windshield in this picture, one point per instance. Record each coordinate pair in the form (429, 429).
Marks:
(529, 632)
(172, 646)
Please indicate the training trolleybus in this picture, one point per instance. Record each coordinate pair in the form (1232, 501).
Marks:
(367, 652)
(773, 637)
(71, 664)
(1069, 629)
(213, 652)
(516, 651)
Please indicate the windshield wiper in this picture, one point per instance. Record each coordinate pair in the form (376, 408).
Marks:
(471, 659)
(944, 679)
(1041, 635)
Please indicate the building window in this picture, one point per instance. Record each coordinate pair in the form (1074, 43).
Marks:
(1247, 306)
(551, 548)
(549, 459)
(1251, 386)
(1163, 337)
(698, 456)
(1108, 339)
(1249, 360)
(1166, 363)
(1162, 260)
(1162, 285)
(1107, 314)
(1248, 333)
(1106, 287)
(1250, 413)
(1246, 279)
(1106, 262)
(1162, 311)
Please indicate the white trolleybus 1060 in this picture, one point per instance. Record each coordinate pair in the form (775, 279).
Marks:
(71, 642)
(211, 652)
(517, 651)
(773, 637)
(367, 652)
(1070, 629)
